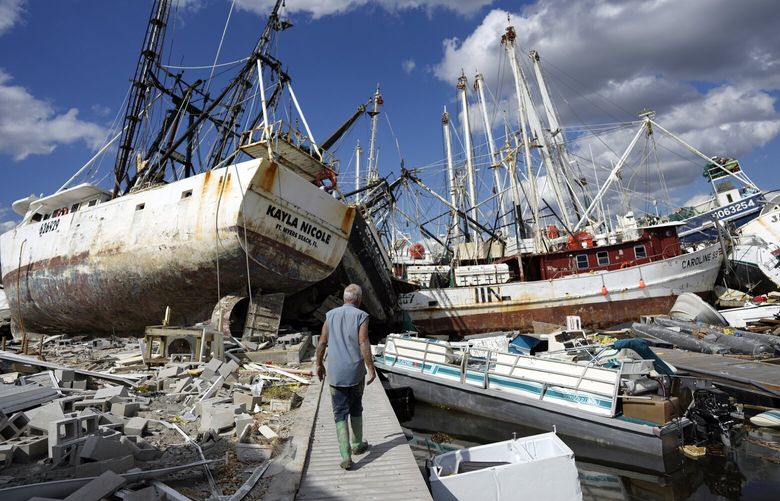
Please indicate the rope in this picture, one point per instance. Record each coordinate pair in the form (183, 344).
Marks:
(206, 67)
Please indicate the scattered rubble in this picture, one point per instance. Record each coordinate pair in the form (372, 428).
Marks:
(181, 414)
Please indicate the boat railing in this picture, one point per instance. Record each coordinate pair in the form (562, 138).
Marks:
(549, 373)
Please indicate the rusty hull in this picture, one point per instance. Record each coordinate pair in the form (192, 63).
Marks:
(594, 316)
(114, 268)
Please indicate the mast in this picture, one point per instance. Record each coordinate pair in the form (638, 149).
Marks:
(556, 133)
(373, 171)
(358, 152)
(467, 146)
(508, 40)
(495, 161)
(148, 63)
(445, 123)
(540, 140)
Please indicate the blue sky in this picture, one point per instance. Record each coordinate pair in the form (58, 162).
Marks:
(65, 68)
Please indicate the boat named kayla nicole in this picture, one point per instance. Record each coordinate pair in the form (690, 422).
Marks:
(89, 260)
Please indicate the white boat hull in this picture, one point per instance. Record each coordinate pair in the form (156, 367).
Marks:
(469, 310)
(114, 267)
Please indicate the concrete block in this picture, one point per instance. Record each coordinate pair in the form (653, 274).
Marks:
(113, 419)
(102, 404)
(70, 429)
(242, 421)
(79, 384)
(95, 468)
(6, 454)
(247, 400)
(281, 405)
(267, 432)
(169, 371)
(218, 417)
(227, 369)
(181, 384)
(103, 486)
(111, 391)
(136, 426)
(12, 427)
(29, 449)
(97, 448)
(141, 449)
(126, 409)
(213, 365)
(65, 375)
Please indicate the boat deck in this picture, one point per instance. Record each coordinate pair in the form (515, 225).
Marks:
(759, 378)
(387, 471)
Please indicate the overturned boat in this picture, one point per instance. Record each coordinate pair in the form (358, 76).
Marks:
(172, 233)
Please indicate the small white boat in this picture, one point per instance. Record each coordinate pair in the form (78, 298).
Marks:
(535, 467)
(740, 317)
(770, 419)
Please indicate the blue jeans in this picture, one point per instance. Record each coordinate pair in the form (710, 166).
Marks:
(347, 400)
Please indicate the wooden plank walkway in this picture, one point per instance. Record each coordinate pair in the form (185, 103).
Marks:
(387, 471)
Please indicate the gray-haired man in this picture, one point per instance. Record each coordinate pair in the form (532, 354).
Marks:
(345, 333)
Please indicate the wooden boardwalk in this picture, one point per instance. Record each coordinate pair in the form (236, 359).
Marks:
(387, 471)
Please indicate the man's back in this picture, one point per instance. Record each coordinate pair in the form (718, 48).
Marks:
(345, 361)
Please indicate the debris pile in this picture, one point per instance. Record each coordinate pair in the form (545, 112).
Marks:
(113, 418)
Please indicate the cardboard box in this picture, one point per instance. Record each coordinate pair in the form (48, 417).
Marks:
(656, 409)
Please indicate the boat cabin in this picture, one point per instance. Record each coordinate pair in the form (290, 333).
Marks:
(63, 202)
(582, 255)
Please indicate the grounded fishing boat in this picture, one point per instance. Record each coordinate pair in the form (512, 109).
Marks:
(87, 260)
(581, 265)
(603, 285)
(614, 406)
(755, 255)
(535, 467)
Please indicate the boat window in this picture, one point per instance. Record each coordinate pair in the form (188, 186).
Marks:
(582, 261)
(186, 194)
(46, 216)
(640, 252)
(37, 217)
(140, 206)
(603, 258)
(92, 203)
(74, 207)
(729, 197)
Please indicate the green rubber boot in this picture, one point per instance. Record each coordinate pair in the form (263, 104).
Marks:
(342, 432)
(358, 445)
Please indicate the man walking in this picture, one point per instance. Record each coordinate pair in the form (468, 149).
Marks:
(345, 334)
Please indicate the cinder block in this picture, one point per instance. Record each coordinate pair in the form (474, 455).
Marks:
(218, 417)
(136, 426)
(97, 448)
(126, 409)
(181, 384)
(29, 449)
(95, 468)
(169, 371)
(141, 449)
(247, 400)
(103, 486)
(12, 427)
(281, 405)
(242, 421)
(6, 454)
(65, 375)
(227, 369)
(102, 404)
(111, 391)
(79, 384)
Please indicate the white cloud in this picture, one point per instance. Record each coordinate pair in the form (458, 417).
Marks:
(408, 65)
(30, 126)
(10, 12)
(321, 8)
(7, 222)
